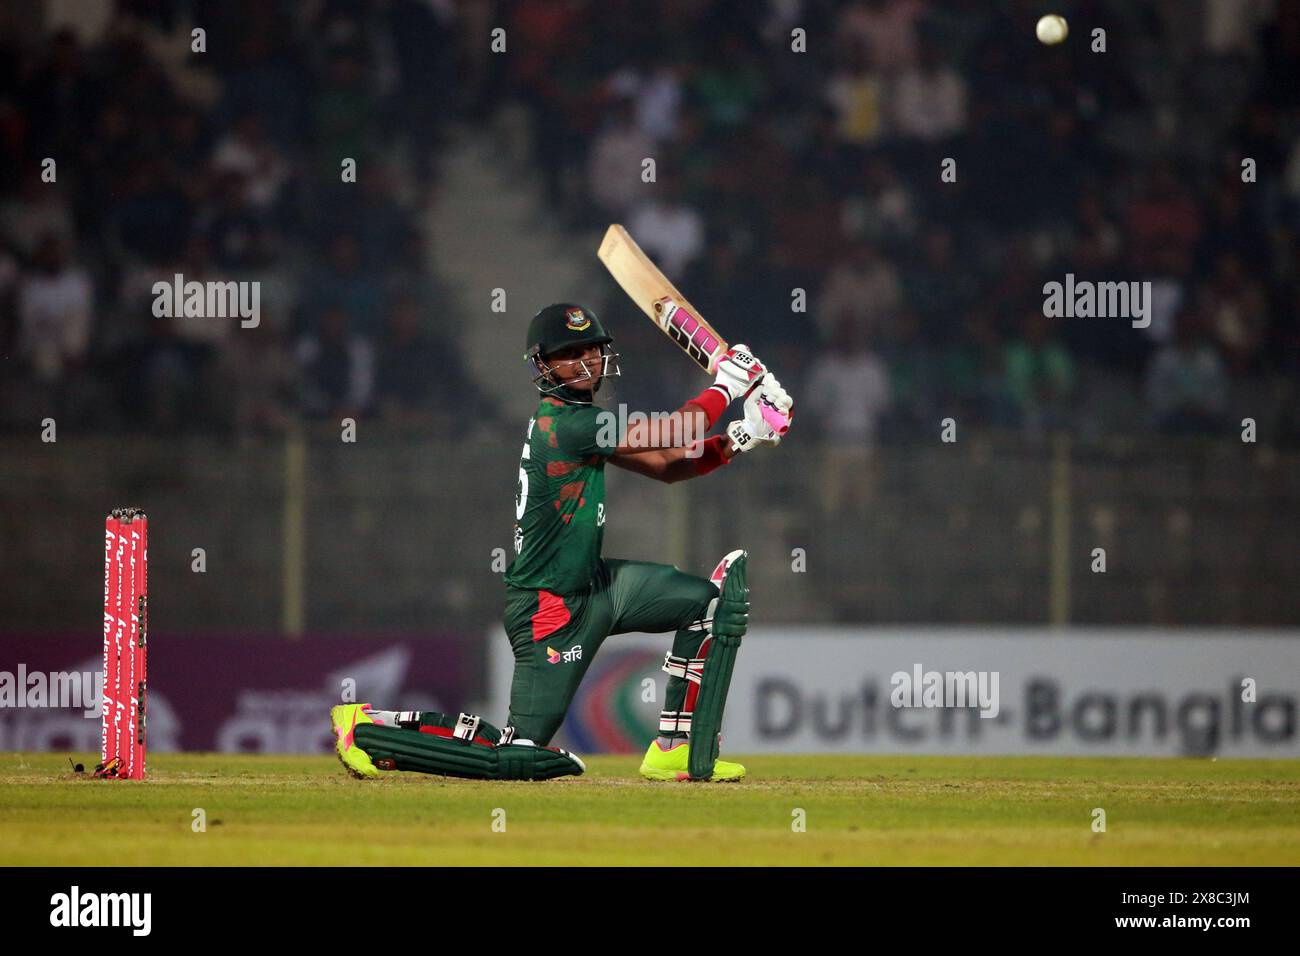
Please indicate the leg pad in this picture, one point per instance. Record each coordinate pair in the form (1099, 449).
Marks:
(730, 621)
(435, 750)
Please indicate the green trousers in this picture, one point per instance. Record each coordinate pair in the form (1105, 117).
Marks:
(555, 638)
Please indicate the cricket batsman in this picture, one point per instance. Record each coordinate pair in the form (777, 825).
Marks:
(563, 599)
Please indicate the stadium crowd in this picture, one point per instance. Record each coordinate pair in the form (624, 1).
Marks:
(821, 172)
(224, 165)
(815, 169)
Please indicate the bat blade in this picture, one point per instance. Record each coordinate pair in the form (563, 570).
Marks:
(659, 299)
(667, 308)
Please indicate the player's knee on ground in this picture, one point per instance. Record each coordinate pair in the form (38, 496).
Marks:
(539, 728)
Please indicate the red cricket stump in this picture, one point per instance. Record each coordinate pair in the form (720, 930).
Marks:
(126, 627)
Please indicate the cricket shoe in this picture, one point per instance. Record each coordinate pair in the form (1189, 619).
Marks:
(343, 721)
(660, 764)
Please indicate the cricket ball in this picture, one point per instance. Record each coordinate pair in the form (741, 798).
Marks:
(1052, 29)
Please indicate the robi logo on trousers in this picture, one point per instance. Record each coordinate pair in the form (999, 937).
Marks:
(572, 654)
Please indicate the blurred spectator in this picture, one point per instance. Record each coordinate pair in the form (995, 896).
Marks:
(1291, 184)
(9, 272)
(341, 283)
(554, 85)
(1231, 25)
(343, 110)
(411, 371)
(40, 210)
(381, 224)
(420, 380)
(238, 232)
(848, 392)
(246, 152)
(804, 231)
(55, 313)
(60, 97)
(654, 88)
(1041, 376)
(824, 156)
(743, 295)
(1171, 271)
(882, 208)
(1236, 310)
(705, 176)
(109, 156)
(1232, 224)
(152, 215)
(1186, 387)
(1099, 236)
(937, 288)
(337, 367)
(670, 231)
(1164, 216)
(266, 77)
(856, 94)
(864, 287)
(188, 148)
(163, 379)
(427, 84)
(614, 172)
(886, 28)
(369, 211)
(914, 369)
(262, 377)
(731, 84)
(207, 334)
(972, 375)
(408, 272)
(930, 99)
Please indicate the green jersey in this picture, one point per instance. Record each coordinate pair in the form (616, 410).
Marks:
(560, 502)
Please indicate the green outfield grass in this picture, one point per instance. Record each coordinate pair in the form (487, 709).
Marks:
(859, 810)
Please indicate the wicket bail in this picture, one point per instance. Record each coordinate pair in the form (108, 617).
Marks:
(126, 626)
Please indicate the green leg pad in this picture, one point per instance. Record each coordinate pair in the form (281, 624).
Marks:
(432, 753)
(530, 762)
(432, 718)
(730, 621)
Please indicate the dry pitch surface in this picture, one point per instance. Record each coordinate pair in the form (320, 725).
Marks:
(857, 810)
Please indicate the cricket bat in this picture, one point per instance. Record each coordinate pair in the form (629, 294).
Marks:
(667, 308)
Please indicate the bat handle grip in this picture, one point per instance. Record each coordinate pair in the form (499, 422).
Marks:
(780, 423)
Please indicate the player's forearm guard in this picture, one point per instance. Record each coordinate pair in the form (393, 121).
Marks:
(466, 746)
(730, 621)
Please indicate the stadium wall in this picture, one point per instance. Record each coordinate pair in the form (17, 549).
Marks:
(1083, 692)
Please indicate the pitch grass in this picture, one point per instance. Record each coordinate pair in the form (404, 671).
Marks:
(859, 810)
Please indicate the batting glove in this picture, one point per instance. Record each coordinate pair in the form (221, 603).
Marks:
(756, 428)
(738, 370)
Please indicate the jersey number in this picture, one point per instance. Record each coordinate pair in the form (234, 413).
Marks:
(521, 499)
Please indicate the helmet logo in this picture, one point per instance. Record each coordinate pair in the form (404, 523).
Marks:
(577, 320)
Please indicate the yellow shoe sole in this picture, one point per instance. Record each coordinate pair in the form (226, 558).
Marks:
(366, 771)
(681, 776)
